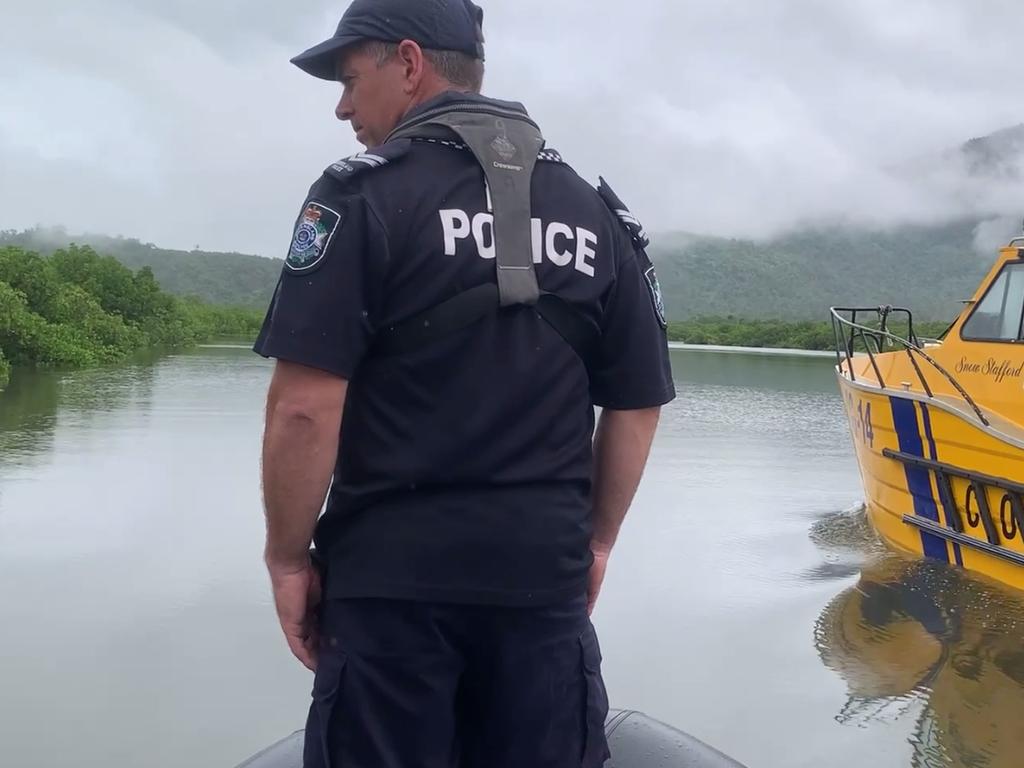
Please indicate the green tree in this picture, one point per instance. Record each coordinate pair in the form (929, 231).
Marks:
(78, 308)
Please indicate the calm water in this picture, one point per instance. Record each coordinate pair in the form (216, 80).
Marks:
(746, 602)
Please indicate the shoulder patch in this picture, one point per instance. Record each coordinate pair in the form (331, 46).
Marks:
(548, 155)
(651, 278)
(313, 234)
(349, 167)
(629, 221)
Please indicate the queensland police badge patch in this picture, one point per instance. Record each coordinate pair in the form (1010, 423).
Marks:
(655, 288)
(313, 232)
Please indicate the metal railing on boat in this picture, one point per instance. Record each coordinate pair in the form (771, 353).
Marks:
(847, 331)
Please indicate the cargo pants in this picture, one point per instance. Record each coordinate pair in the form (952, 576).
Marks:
(403, 684)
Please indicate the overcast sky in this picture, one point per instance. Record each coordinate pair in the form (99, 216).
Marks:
(181, 122)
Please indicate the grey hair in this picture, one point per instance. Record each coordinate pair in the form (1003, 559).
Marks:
(459, 69)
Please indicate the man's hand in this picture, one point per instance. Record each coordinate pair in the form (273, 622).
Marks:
(597, 570)
(296, 597)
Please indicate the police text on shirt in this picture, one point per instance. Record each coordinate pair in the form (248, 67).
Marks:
(561, 244)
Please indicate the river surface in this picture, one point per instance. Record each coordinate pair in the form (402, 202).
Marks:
(746, 603)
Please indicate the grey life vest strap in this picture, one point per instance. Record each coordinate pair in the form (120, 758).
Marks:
(506, 148)
(506, 144)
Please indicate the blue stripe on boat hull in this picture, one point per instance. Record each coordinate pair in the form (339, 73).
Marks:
(927, 419)
(904, 419)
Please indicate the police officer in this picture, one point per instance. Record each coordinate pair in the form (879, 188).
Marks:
(454, 303)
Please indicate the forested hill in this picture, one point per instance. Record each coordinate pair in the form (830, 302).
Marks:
(795, 277)
(930, 269)
(798, 276)
(226, 279)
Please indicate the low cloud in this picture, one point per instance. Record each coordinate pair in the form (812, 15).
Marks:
(181, 122)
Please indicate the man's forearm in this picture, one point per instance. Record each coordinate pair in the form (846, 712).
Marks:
(300, 448)
(622, 444)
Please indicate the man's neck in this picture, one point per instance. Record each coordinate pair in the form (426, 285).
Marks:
(430, 95)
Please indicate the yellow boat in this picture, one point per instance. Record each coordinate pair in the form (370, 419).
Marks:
(938, 425)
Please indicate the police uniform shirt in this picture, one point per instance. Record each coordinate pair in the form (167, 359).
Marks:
(464, 469)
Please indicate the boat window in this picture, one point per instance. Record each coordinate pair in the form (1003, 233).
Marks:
(998, 315)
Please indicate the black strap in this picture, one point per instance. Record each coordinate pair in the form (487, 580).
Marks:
(449, 316)
(579, 333)
(471, 305)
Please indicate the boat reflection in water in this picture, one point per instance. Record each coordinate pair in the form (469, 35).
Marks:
(918, 638)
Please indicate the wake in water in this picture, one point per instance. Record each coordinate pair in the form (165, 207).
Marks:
(846, 530)
(846, 540)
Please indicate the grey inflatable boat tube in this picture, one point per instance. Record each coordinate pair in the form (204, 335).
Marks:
(636, 741)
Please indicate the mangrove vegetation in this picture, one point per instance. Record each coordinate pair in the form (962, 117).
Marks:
(76, 308)
(778, 334)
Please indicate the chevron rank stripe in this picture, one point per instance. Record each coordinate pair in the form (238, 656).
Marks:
(374, 161)
(363, 162)
(633, 222)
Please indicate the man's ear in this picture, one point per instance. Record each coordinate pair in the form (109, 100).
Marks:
(413, 62)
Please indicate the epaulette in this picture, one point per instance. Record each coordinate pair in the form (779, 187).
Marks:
(548, 155)
(629, 221)
(350, 167)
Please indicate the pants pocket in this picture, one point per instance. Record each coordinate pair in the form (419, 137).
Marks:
(595, 745)
(317, 750)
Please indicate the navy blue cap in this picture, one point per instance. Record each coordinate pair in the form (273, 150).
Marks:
(442, 25)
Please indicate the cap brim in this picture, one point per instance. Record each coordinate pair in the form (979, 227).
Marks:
(322, 60)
